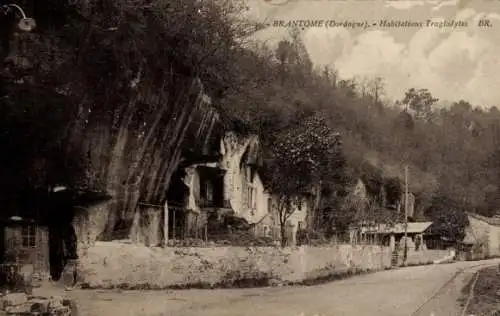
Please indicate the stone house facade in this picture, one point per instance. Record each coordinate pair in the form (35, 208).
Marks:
(232, 187)
(25, 243)
(482, 236)
(213, 197)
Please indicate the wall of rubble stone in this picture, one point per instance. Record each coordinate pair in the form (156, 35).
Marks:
(89, 224)
(427, 256)
(115, 264)
(23, 304)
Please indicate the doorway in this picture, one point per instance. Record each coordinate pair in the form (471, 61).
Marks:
(62, 236)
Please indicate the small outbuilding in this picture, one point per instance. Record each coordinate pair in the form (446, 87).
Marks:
(24, 245)
(393, 235)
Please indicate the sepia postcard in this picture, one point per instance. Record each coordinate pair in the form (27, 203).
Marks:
(250, 157)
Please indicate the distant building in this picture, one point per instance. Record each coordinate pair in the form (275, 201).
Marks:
(482, 236)
(42, 232)
(222, 193)
(393, 235)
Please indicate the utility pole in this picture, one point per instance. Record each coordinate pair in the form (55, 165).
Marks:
(10, 25)
(25, 23)
(405, 254)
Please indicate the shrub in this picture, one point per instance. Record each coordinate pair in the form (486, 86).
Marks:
(310, 237)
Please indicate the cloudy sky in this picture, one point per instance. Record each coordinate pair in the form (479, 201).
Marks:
(460, 63)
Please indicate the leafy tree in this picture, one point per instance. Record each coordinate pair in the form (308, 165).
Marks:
(377, 89)
(404, 122)
(372, 178)
(338, 218)
(491, 202)
(299, 156)
(294, 62)
(374, 89)
(394, 190)
(349, 87)
(420, 101)
(461, 107)
(330, 76)
(449, 217)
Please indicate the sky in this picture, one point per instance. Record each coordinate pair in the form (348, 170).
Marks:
(453, 63)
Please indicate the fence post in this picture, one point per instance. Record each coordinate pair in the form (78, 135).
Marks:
(165, 224)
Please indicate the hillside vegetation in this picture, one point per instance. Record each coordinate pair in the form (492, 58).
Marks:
(103, 94)
(451, 152)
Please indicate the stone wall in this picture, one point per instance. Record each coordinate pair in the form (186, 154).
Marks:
(494, 241)
(426, 256)
(147, 226)
(317, 262)
(22, 304)
(115, 264)
(89, 224)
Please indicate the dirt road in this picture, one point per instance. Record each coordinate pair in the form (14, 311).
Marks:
(393, 292)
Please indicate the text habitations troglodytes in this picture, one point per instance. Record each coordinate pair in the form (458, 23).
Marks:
(422, 23)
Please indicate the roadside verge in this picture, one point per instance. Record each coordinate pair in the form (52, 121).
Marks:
(482, 295)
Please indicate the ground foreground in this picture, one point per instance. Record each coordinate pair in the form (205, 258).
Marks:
(423, 290)
(485, 297)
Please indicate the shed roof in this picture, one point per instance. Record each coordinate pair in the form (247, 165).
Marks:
(399, 228)
(12, 221)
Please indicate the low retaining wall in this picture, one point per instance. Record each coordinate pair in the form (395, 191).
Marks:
(114, 264)
(427, 256)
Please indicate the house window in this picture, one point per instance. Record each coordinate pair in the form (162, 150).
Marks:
(28, 234)
(248, 174)
(269, 205)
(206, 190)
(251, 197)
(209, 195)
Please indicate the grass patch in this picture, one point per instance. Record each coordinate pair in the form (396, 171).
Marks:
(232, 280)
(448, 261)
(414, 264)
(483, 258)
(464, 293)
(486, 299)
(235, 280)
(330, 277)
